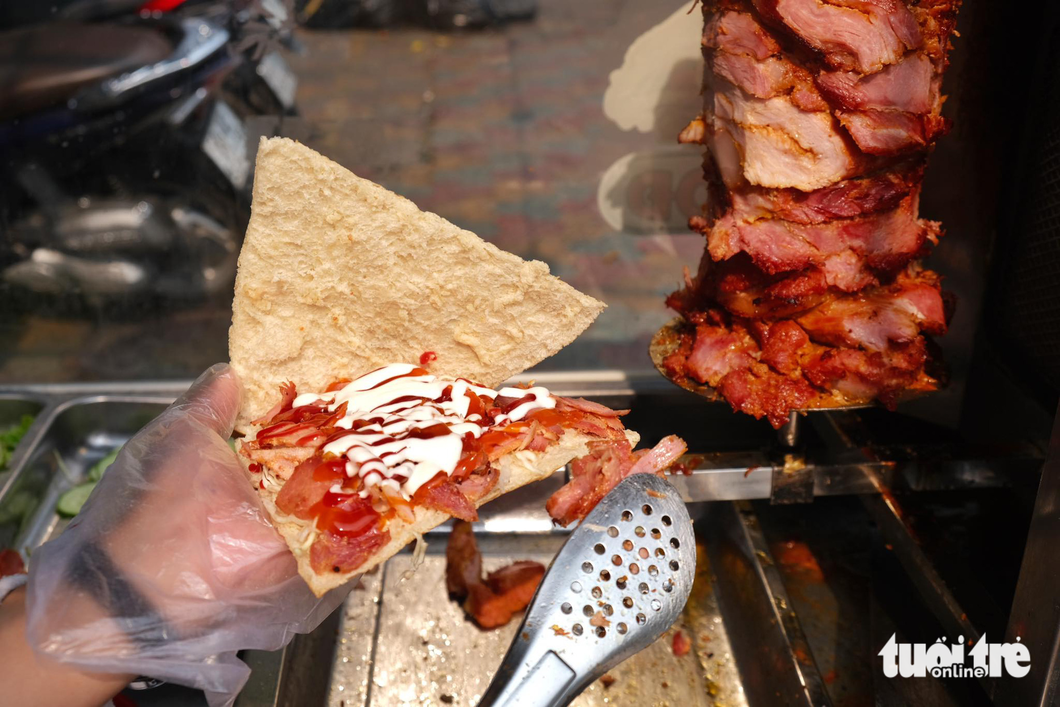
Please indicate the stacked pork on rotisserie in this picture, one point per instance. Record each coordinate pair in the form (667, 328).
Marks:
(819, 116)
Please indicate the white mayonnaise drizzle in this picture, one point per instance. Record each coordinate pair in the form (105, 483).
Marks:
(387, 452)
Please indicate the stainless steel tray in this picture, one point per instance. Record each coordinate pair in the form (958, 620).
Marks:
(64, 444)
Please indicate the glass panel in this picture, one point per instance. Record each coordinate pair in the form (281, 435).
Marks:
(128, 175)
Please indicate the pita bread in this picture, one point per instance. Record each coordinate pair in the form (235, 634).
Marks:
(338, 276)
(515, 470)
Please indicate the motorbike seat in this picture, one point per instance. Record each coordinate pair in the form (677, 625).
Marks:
(45, 65)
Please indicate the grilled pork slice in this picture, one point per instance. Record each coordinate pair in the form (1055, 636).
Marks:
(884, 241)
(872, 193)
(907, 86)
(893, 111)
(772, 142)
(768, 369)
(937, 20)
(874, 319)
(911, 302)
(765, 120)
(892, 132)
(858, 35)
(744, 290)
(745, 55)
(593, 476)
(738, 32)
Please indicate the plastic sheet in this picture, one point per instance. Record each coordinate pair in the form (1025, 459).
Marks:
(172, 566)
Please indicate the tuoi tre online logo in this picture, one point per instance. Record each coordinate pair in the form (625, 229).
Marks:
(944, 660)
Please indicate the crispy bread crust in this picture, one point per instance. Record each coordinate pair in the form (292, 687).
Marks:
(338, 276)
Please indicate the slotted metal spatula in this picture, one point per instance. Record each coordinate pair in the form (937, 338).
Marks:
(621, 579)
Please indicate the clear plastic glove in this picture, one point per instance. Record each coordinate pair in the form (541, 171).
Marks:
(172, 565)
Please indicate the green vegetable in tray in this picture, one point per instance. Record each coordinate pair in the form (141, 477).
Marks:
(11, 436)
(70, 503)
(96, 472)
(17, 507)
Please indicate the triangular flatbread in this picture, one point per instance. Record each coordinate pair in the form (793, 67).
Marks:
(338, 276)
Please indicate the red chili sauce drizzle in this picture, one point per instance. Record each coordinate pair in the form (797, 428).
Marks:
(358, 526)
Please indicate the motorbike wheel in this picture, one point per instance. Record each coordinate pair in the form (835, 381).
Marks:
(209, 223)
(190, 258)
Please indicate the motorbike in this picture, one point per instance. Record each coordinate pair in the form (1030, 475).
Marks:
(127, 157)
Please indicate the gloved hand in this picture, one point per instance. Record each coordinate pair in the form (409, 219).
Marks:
(172, 565)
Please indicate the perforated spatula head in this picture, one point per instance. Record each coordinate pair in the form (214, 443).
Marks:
(621, 579)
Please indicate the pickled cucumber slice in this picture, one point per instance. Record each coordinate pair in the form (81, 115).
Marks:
(70, 503)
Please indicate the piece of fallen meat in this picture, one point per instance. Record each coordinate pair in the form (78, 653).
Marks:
(463, 563)
(681, 644)
(593, 476)
(520, 577)
(490, 602)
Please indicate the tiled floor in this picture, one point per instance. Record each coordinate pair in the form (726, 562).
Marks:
(502, 132)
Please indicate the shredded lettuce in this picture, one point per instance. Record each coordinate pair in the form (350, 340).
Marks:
(418, 553)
